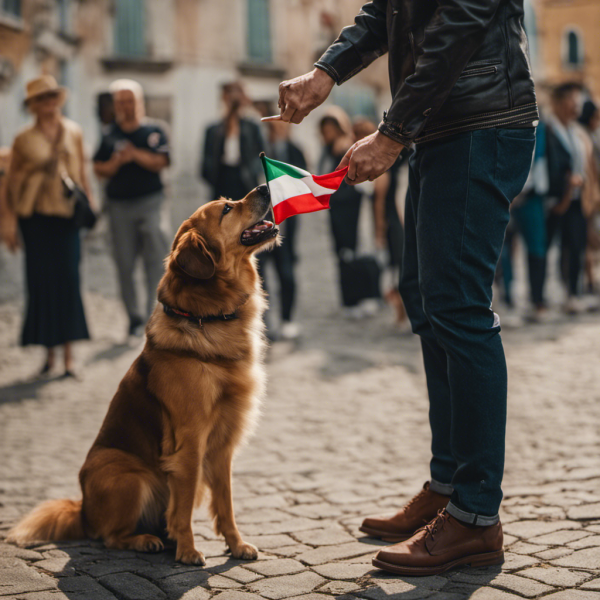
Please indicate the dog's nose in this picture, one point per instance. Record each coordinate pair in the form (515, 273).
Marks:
(263, 190)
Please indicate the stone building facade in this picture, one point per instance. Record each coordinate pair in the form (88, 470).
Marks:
(569, 42)
(181, 51)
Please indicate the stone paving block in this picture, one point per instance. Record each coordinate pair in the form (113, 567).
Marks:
(280, 566)
(235, 595)
(326, 554)
(573, 595)
(82, 587)
(594, 584)
(108, 567)
(587, 542)
(486, 593)
(241, 574)
(264, 501)
(529, 529)
(341, 570)
(48, 595)
(555, 576)
(128, 586)
(287, 585)
(526, 548)
(289, 526)
(16, 552)
(290, 551)
(521, 585)
(517, 561)
(324, 537)
(322, 510)
(585, 512)
(59, 567)
(266, 542)
(387, 590)
(559, 537)
(176, 585)
(553, 553)
(581, 559)
(317, 596)
(20, 578)
(220, 582)
(211, 548)
(339, 587)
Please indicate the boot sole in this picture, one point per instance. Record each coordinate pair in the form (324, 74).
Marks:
(385, 536)
(485, 559)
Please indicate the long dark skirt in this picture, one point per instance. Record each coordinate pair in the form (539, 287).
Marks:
(54, 312)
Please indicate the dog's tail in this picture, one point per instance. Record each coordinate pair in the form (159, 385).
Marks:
(51, 521)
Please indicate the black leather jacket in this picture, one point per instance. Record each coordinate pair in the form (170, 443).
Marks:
(454, 65)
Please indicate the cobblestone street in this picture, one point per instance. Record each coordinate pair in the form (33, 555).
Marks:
(343, 434)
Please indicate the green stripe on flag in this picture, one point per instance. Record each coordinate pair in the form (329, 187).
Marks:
(276, 168)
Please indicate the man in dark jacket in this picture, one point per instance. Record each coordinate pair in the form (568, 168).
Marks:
(231, 147)
(463, 93)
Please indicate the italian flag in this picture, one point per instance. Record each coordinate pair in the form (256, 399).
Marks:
(295, 191)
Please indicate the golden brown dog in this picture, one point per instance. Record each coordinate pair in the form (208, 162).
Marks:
(185, 403)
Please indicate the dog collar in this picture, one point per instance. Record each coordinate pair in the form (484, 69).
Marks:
(174, 312)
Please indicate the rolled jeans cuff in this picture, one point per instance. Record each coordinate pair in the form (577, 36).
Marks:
(445, 489)
(471, 518)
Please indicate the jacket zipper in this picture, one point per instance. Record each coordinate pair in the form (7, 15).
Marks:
(480, 71)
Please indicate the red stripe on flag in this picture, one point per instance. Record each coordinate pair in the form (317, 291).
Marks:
(331, 180)
(305, 203)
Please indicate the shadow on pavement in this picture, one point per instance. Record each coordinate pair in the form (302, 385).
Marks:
(26, 390)
(115, 351)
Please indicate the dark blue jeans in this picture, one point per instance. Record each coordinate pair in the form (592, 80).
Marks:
(457, 209)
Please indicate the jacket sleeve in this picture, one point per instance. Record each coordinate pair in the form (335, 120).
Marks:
(207, 166)
(357, 45)
(454, 33)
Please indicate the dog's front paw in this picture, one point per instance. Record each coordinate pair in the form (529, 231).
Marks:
(190, 557)
(245, 551)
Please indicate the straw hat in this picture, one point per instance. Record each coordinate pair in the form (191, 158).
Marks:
(44, 85)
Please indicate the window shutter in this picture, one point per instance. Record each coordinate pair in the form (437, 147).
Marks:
(130, 21)
(259, 31)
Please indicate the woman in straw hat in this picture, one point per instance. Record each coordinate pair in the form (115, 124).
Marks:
(34, 199)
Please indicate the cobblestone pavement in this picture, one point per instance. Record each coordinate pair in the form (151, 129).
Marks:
(343, 434)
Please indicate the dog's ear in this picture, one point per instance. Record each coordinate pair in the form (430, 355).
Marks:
(193, 256)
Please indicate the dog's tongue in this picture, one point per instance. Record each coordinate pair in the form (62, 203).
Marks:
(261, 226)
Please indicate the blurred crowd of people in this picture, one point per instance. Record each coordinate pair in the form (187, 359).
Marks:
(560, 205)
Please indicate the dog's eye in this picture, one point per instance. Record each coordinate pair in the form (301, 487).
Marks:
(227, 208)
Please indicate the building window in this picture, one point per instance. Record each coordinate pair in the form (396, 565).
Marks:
(11, 7)
(573, 49)
(259, 31)
(129, 29)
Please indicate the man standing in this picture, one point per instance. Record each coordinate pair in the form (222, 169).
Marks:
(462, 92)
(131, 156)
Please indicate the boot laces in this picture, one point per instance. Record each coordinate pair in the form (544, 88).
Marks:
(437, 524)
(416, 499)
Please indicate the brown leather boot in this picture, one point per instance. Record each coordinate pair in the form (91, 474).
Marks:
(443, 544)
(417, 513)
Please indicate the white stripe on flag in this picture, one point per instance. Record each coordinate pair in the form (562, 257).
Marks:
(286, 187)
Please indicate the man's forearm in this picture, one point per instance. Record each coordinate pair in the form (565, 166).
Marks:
(150, 160)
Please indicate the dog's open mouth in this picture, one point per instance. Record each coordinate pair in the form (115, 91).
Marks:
(259, 232)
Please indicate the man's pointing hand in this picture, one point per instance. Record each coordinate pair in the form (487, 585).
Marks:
(299, 96)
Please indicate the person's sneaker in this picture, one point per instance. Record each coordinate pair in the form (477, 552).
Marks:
(370, 307)
(414, 515)
(441, 545)
(573, 306)
(352, 313)
(290, 330)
